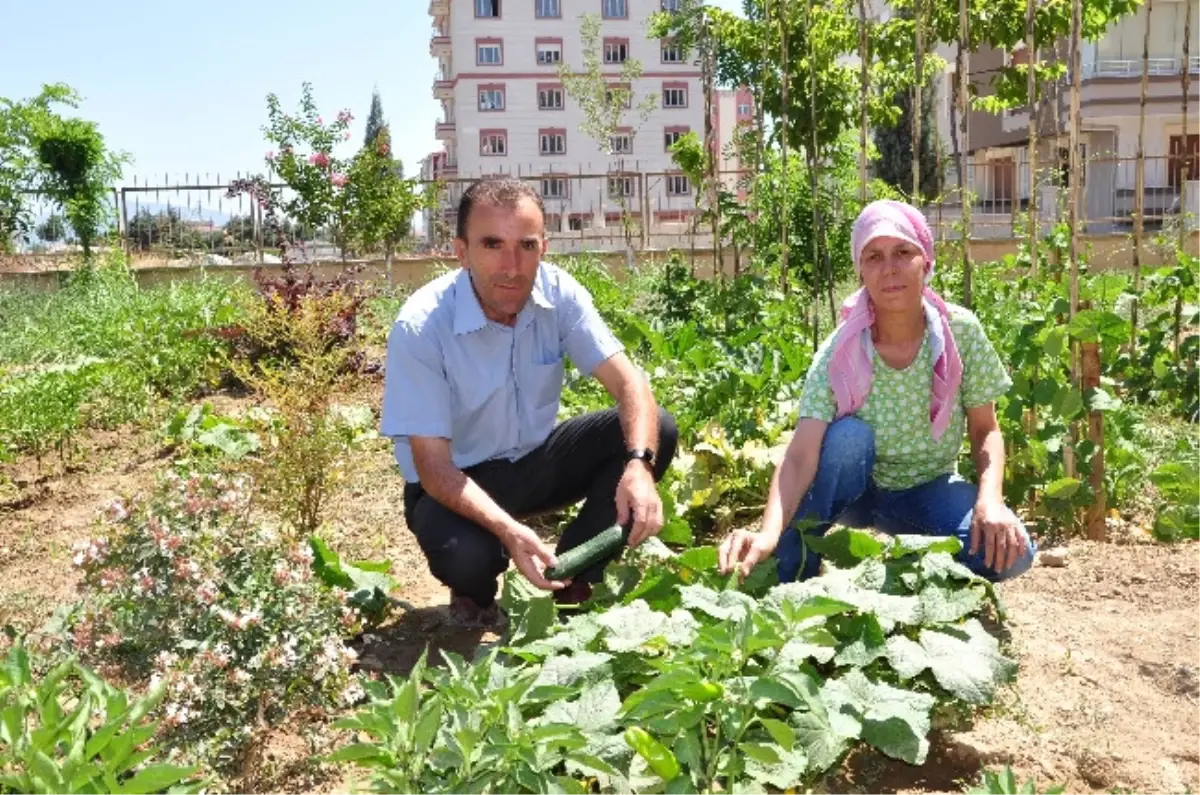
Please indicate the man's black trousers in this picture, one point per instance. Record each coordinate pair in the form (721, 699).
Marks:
(582, 459)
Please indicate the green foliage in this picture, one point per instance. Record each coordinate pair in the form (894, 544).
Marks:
(375, 121)
(605, 105)
(222, 610)
(894, 143)
(993, 782)
(1178, 517)
(64, 159)
(367, 582)
(67, 730)
(676, 679)
(380, 203)
(101, 351)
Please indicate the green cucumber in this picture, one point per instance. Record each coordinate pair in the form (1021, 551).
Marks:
(593, 551)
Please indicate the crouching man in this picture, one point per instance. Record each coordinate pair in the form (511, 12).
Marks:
(473, 381)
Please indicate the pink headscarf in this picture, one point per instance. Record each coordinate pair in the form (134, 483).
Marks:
(850, 368)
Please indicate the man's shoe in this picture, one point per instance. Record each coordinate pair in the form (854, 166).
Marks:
(467, 613)
(576, 593)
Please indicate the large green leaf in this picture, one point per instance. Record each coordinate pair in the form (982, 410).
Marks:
(1095, 325)
(629, 627)
(965, 660)
(844, 547)
(723, 606)
(570, 670)
(774, 766)
(861, 638)
(893, 720)
(942, 605)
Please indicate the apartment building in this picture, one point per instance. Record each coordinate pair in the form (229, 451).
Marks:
(1109, 105)
(505, 109)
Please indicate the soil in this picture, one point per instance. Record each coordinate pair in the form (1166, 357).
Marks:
(1107, 699)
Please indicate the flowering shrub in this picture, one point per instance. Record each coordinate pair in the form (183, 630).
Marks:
(191, 592)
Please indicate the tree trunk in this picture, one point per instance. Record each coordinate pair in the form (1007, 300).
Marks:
(784, 209)
(707, 67)
(1185, 174)
(964, 99)
(1031, 61)
(864, 88)
(814, 176)
(1139, 190)
(1073, 204)
(917, 107)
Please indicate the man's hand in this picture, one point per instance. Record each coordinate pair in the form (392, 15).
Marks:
(743, 550)
(995, 527)
(638, 500)
(531, 556)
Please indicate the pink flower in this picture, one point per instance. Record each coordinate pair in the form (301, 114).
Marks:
(338, 180)
(346, 135)
(116, 511)
(270, 154)
(344, 117)
(318, 159)
(320, 120)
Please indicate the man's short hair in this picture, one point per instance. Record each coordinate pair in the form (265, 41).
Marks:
(501, 190)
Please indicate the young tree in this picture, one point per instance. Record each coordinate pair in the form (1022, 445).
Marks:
(607, 108)
(379, 202)
(64, 159)
(375, 121)
(894, 142)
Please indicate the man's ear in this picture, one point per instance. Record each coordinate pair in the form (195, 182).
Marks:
(460, 251)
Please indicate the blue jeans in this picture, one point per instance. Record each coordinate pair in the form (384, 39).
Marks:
(842, 492)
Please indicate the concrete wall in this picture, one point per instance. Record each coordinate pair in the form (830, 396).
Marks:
(1103, 252)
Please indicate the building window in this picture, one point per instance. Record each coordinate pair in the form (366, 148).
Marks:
(554, 188)
(743, 110)
(491, 98)
(493, 143)
(670, 52)
(552, 142)
(672, 135)
(619, 94)
(672, 5)
(678, 185)
(577, 222)
(550, 97)
(546, 9)
(616, 50)
(674, 96)
(487, 8)
(620, 187)
(489, 52)
(614, 9)
(620, 144)
(549, 51)
(1184, 160)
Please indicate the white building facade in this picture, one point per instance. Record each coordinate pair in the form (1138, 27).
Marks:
(506, 110)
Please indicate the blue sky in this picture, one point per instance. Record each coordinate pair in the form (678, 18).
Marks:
(182, 86)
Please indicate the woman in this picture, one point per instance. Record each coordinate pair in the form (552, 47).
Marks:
(882, 418)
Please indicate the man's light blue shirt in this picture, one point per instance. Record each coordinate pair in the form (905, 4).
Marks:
(493, 390)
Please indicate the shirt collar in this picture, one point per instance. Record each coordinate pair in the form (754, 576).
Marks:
(468, 314)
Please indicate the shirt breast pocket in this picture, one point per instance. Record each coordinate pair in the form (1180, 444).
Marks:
(546, 382)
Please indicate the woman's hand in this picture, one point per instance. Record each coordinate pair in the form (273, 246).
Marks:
(995, 527)
(743, 550)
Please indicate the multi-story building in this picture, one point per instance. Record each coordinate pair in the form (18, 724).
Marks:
(506, 110)
(998, 170)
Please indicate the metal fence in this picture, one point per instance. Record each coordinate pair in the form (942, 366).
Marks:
(191, 219)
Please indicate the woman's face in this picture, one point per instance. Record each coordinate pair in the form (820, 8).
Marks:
(893, 271)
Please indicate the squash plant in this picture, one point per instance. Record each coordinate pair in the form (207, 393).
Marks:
(70, 731)
(674, 679)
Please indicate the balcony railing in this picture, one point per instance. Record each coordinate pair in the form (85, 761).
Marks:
(444, 129)
(1132, 67)
(439, 45)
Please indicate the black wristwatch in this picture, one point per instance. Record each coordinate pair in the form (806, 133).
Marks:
(642, 454)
